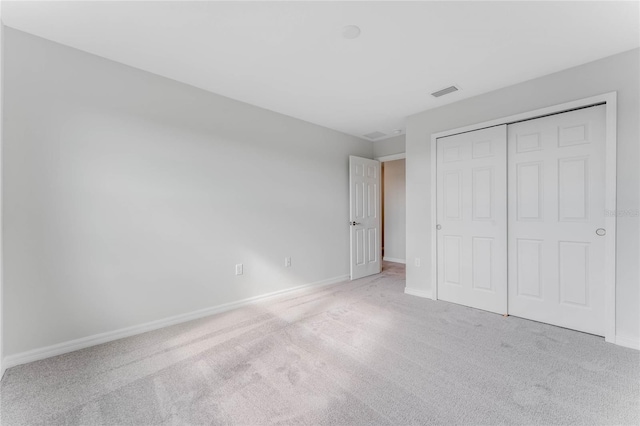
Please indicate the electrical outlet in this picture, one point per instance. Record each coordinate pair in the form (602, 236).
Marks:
(239, 269)
(287, 262)
(417, 261)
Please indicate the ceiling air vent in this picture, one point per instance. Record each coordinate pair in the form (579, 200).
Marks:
(375, 135)
(445, 91)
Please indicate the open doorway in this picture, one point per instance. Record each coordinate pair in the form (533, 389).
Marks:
(393, 211)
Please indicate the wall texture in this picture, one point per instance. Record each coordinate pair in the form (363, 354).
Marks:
(130, 197)
(394, 145)
(394, 210)
(616, 73)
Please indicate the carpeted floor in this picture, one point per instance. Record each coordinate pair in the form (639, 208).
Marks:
(359, 352)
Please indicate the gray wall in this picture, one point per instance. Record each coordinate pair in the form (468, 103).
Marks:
(394, 209)
(129, 197)
(394, 145)
(616, 73)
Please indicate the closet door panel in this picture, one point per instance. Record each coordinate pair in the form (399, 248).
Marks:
(556, 204)
(471, 212)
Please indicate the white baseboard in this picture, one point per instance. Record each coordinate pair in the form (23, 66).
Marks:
(395, 260)
(97, 339)
(416, 292)
(627, 342)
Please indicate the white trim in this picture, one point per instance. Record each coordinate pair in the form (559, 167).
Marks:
(610, 203)
(627, 342)
(394, 260)
(417, 292)
(391, 157)
(3, 367)
(434, 220)
(610, 100)
(97, 339)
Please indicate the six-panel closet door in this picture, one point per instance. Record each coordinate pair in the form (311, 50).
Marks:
(556, 219)
(520, 218)
(472, 218)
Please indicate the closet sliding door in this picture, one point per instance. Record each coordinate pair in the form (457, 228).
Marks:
(556, 219)
(472, 218)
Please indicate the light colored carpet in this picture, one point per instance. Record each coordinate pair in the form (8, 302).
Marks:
(359, 352)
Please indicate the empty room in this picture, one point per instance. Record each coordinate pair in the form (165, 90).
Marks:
(320, 213)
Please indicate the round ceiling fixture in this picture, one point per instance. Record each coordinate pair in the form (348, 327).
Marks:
(350, 32)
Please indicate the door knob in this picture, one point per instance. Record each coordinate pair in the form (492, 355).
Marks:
(438, 227)
(354, 223)
(601, 232)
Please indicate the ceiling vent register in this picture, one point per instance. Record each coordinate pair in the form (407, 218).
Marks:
(375, 135)
(444, 91)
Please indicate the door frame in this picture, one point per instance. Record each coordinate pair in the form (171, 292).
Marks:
(610, 102)
(384, 159)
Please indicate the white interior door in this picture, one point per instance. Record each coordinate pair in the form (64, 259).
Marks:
(364, 191)
(472, 219)
(556, 207)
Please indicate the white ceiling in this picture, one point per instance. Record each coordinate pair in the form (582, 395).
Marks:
(290, 57)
